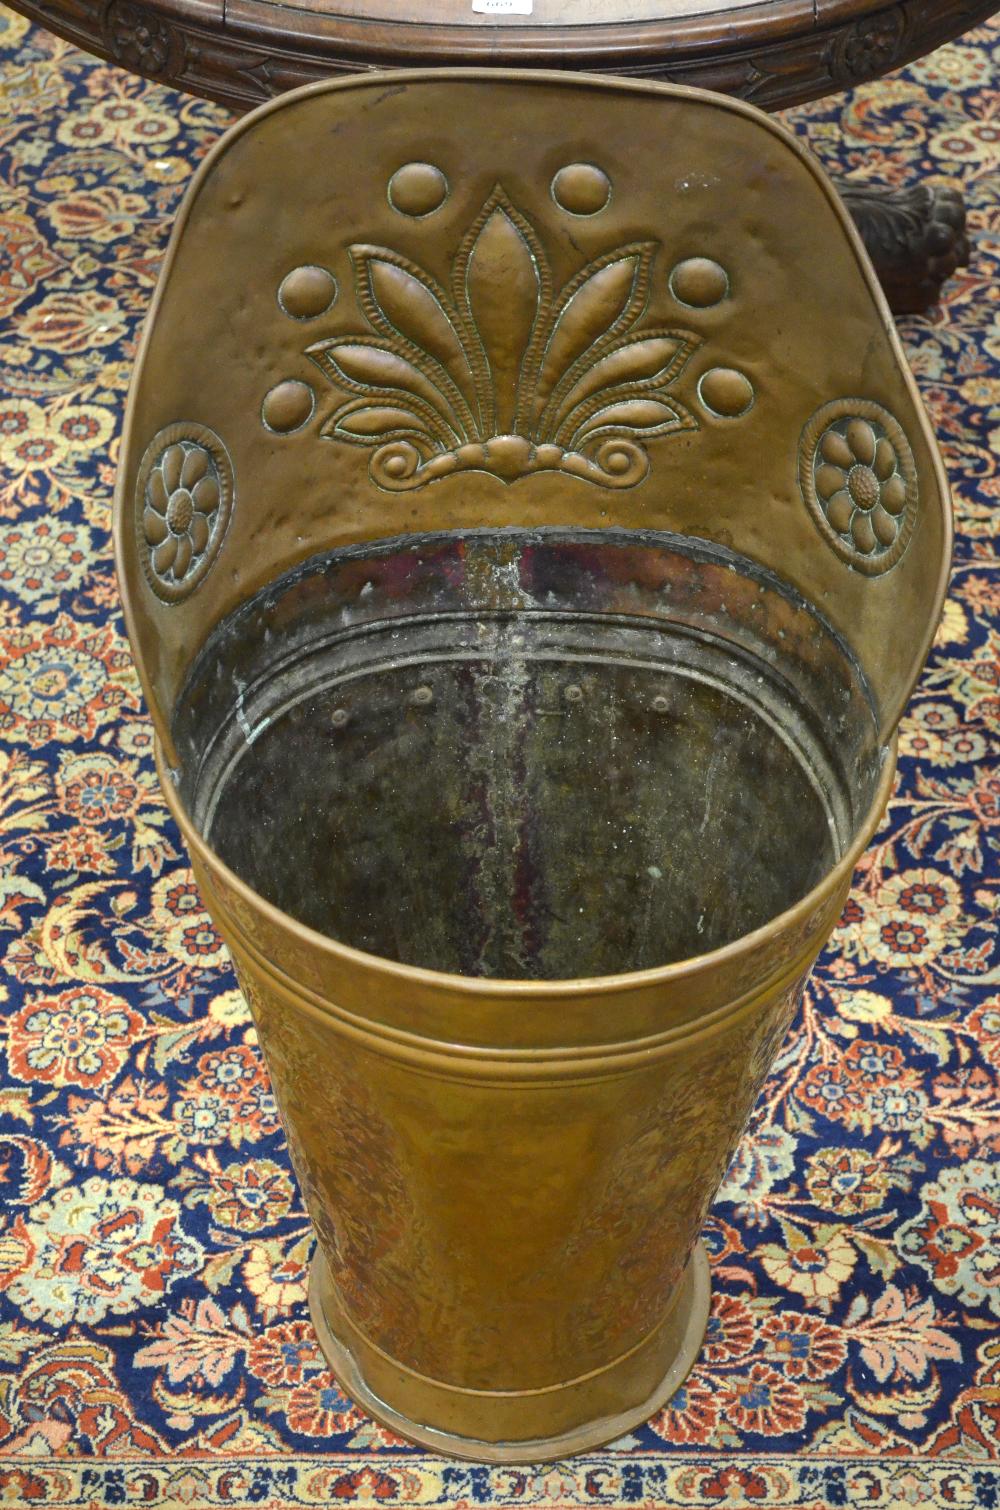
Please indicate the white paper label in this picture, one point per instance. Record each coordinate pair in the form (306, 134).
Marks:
(502, 7)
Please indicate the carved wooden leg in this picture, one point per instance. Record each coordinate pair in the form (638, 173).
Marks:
(915, 237)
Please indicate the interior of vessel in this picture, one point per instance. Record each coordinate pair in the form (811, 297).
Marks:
(549, 754)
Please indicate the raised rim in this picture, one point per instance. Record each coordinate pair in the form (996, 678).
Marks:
(693, 1295)
(679, 970)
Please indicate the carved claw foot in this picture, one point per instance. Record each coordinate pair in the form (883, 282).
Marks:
(915, 237)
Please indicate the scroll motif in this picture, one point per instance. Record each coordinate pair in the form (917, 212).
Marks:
(505, 374)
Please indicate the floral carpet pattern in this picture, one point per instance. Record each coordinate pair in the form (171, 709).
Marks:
(155, 1346)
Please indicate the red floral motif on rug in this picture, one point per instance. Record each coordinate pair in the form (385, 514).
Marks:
(155, 1346)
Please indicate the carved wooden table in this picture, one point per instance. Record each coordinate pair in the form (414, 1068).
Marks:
(777, 53)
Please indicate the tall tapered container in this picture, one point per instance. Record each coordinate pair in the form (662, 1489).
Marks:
(530, 536)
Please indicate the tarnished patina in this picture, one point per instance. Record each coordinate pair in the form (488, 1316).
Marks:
(530, 536)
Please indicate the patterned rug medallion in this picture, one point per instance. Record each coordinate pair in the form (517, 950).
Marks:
(155, 1346)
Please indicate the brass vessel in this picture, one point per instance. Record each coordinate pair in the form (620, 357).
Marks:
(529, 535)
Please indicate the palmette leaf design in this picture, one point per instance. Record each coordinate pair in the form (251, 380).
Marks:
(637, 367)
(504, 374)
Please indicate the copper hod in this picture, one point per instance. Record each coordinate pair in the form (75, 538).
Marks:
(530, 536)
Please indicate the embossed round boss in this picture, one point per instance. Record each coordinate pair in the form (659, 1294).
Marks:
(530, 536)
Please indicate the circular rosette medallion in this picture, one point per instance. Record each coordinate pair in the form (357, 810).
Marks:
(858, 477)
(184, 497)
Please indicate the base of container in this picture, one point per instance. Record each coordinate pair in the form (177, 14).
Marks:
(588, 1410)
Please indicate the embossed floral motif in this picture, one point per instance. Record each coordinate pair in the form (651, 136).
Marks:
(858, 477)
(182, 495)
(505, 375)
(184, 492)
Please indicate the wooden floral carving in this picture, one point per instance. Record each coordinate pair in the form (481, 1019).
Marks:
(505, 374)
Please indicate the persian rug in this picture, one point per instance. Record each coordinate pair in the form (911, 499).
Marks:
(155, 1347)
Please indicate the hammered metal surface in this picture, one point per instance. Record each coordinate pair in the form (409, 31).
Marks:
(555, 590)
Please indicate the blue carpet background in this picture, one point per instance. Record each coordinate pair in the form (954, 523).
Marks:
(155, 1347)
